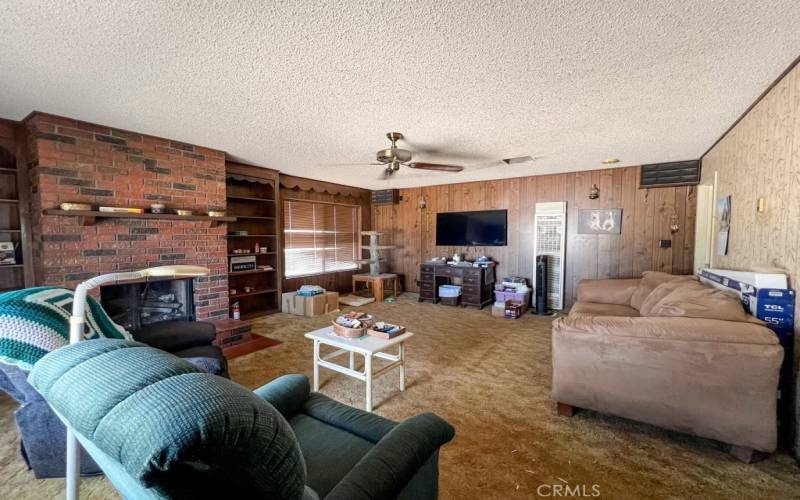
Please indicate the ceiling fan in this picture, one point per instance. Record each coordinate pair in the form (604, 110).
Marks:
(393, 157)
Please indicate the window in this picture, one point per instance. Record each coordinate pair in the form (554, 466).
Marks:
(319, 237)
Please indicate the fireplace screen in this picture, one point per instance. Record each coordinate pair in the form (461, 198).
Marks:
(136, 304)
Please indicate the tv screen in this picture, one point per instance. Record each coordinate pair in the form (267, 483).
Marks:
(484, 228)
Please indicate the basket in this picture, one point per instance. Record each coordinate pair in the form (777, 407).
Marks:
(449, 291)
(384, 335)
(451, 301)
(350, 333)
(347, 332)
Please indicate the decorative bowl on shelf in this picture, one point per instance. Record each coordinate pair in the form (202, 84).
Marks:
(75, 206)
(182, 211)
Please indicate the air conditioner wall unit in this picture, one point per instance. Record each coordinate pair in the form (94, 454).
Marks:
(549, 239)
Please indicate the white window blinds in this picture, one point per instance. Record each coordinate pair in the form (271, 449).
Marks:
(319, 237)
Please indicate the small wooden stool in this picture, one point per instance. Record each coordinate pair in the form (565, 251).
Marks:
(376, 282)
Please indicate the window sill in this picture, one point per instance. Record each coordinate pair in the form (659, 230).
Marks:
(295, 276)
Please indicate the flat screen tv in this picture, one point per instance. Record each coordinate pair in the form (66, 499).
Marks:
(483, 228)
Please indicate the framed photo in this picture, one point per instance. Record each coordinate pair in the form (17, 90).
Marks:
(600, 221)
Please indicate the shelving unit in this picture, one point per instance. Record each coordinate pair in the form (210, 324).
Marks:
(252, 199)
(14, 212)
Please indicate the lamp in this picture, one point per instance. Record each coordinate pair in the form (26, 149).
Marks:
(76, 327)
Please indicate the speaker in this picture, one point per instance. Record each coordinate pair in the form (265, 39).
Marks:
(540, 300)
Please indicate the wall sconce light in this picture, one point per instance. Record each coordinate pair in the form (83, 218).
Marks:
(673, 223)
(594, 193)
(761, 205)
(423, 203)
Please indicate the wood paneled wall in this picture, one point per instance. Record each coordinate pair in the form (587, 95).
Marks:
(760, 157)
(646, 220)
(306, 189)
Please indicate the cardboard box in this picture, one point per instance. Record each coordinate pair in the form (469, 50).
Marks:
(314, 305)
(292, 303)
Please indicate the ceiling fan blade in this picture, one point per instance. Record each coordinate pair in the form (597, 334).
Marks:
(348, 164)
(436, 166)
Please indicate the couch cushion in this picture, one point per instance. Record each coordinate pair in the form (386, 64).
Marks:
(173, 336)
(650, 280)
(695, 300)
(329, 451)
(615, 291)
(676, 329)
(598, 309)
(655, 296)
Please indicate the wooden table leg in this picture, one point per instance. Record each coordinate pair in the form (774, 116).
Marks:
(354, 284)
(378, 284)
(395, 288)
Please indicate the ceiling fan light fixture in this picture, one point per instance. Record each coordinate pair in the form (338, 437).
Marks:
(610, 160)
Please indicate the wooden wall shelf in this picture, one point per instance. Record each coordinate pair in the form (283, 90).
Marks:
(89, 217)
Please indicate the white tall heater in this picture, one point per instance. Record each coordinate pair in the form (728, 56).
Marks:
(76, 327)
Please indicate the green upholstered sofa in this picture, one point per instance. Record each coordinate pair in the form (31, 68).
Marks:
(161, 428)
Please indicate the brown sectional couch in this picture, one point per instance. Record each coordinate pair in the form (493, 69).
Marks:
(715, 378)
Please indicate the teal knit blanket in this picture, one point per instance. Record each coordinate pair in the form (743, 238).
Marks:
(35, 321)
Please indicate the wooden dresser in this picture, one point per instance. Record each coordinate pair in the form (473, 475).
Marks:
(477, 283)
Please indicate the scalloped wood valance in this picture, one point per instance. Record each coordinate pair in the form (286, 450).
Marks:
(292, 182)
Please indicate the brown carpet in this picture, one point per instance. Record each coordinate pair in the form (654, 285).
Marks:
(490, 378)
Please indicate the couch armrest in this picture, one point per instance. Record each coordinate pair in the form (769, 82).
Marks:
(286, 393)
(607, 291)
(386, 469)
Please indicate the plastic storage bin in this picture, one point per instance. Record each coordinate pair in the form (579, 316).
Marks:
(501, 296)
(449, 291)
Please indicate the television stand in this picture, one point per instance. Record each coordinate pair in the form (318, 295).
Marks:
(477, 283)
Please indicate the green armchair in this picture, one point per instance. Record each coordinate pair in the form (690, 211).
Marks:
(160, 428)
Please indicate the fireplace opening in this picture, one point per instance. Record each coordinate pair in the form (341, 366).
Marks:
(139, 303)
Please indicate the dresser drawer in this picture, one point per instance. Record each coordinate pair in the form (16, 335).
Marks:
(472, 280)
(426, 277)
(426, 294)
(426, 285)
(473, 272)
(426, 269)
(471, 290)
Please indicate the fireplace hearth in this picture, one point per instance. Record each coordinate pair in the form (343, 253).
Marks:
(140, 303)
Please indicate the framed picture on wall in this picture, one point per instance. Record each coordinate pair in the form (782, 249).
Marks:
(600, 221)
(724, 224)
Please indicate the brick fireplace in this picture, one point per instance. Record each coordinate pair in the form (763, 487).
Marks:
(74, 161)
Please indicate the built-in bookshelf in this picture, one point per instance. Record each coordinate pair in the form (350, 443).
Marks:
(16, 271)
(252, 198)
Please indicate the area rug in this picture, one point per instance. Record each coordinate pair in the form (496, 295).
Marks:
(355, 300)
(490, 378)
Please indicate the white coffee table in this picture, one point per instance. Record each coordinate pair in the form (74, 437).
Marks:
(369, 347)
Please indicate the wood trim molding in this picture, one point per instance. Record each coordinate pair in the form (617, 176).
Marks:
(293, 182)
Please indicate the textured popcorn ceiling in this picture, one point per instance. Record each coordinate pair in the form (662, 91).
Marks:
(303, 86)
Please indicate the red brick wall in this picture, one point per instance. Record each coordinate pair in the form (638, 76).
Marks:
(74, 161)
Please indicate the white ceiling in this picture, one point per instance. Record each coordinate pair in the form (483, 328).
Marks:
(299, 86)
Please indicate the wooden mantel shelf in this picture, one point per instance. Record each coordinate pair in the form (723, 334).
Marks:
(89, 217)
